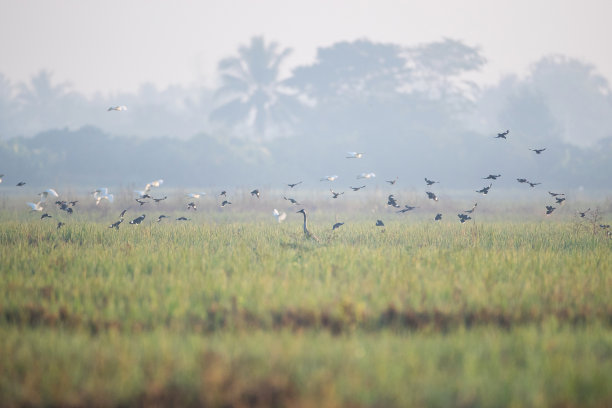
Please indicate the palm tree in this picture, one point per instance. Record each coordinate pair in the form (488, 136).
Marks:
(251, 93)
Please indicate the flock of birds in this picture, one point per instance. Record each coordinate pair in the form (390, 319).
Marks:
(145, 196)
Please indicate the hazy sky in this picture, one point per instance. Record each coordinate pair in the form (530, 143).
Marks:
(113, 46)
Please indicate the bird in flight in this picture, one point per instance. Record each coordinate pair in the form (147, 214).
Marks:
(484, 190)
(138, 220)
(471, 210)
(141, 202)
(161, 217)
(354, 155)
(291, 185)
(280, 217)
(21, 184)
(502, 135)
(182, 219)
(117, 108)
(366, 176)
(555, 194)
(195, 195)
(45, 215)
(550, 209)
(538, 151)
(60, 225)
(192, 206)
(337, 225)
(392, 182)
(35, 206)
(438, 217)
(463, 217)
(157, 200)
(532, 184)
(115, 225)
(255, 193)
(431, 196)
(583, 213)
(392, 202)
(329, 178)
(430, 182)
(492, 177)
(380, 223)
(225, 202)
(291, 200)
(522, 180)
(407, 208)
(559, 200)
(335, 195)
(357, 188)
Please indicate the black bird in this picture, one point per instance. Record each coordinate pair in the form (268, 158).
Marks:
(392, 182)
(294, 184)
(157, 200)
(583, 213)
(21, 184)
(73, 203)
(538, 151)
(379, 223)
(255, 193)
(115, 225)
(463, 217)
(337, 225)
(484, 190)
(223, 193)
(224, 203)
(431, 196)
(604, 226)
(69, 210)
(430, 182)
(470, 211)
(492, 177)
(182, 219)
(522, 180)
(45, 215)
(192, 206)
(60, 225)
(550, 209)
(138, 220)
(122, 213)
(357, 188)
(293, 201)
(555, 194)
(407, 208)
(532, 184)
(161, 217)
(438, 217)
(502, 135)
(391, 201)
(141, 202)
(335, 195)
(559, 200)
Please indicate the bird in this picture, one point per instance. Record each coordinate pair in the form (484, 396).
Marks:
(366, 176)
(550, 209)
(307, 232)
(157, 200)
(335, 195)
(532, 184)
(293, 201)
(502, 135)
(559, 200)
(329, 178)
(522, 180)
(192, 206)
(291, 185)
(117, 108)
(141, 202)
(463, 217)
(195, 195)
(583, 213)
(438, 217)
(604, 226)
(430, 182)
(35, 206)
(484, 190)
(138, 220)
(45, 215)
(225, 202)
(357, 188)
(122, 213)
(407, 208)
(73, 203)
(102, 194)
(142, 194)
(337, 225)
(354, 155)
(392, 182)
(46, 193)
(431, 196)
(21, 184)
(155, 183)
(380, 223)
(255, 193)
(492, 177)
(115, 225)
(161, 217)
(280, 217)
(555, 194)
(392, 202)
(183, 219)
(538, 151)
(470, 211)
(60, 225)
(223, 194)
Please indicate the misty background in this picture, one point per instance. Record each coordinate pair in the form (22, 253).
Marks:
(412, 109)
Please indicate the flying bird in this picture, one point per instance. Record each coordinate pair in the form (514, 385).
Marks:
(60, 225)
(484, 190)
(583, 213)
(335, 195)
(559, 200)
(522, 180)
(291, 185)
(122, 213)
(357, 188)
(438, 217)
(463, 217)
(191, 206)
(392, 182)
(255, 193)
(366, 176)
(380, 223)
(48, 192)
(293, 201)
(141, 202)
(329, 178)
(35, 206)
(407, 208)
(138, 220)
(550, 209)
(532, 184)
(392, 202)
(157, 200)
(45, 215)
(225, 202)
(538, 151)
(431, 196)
(194, 195)
(102, 194)
(223, 193)
(183, 219)
(280, 217)
(155, 183)
(117, 108)
(555, 194)
(115, 225)
(470, 211)
(492, 177)
(354, 155)
(502, 135)
(161, 217)
(337, 225)
(21, 184)
(430, 182)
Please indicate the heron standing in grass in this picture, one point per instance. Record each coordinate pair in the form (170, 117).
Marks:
(306, 230)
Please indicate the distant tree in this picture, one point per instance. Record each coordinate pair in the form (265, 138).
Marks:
(252, 95)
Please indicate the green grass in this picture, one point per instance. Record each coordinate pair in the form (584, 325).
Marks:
(253, 314)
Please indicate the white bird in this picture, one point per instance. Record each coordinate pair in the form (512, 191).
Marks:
(354, 155)
(155, 183)
(195, 195)
(329, 178)
(103, 194)
(46, 193)
(117, 108)
(366, 175)
(280, 217)
(35, 207)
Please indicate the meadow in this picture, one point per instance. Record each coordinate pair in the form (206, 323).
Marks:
(219, 313)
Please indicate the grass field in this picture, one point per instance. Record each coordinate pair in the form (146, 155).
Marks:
(238, 314)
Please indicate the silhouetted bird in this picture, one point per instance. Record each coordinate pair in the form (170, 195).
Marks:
(502, 135)
(224, 203)
(122, 213)
(555, 194)
(157, 200)
(522, 180)
(293, 201)
(60, 225)
(471, 210)
(392, 182)
(337, 225)
(430, 182)
(357, 188)
(161, 217)
(334, 194)
(391, 201)
(182, 219)
(431, 196)
(223, 193)
(294, 184)
(141, 202)
(69, 210)
(492, 177)
(407, 208)
(255, 193)
(463, 217)
(550, 209)
(559, 200)
(45, 215)
(306, 230)
(21, 184)
(484, 190)
(538, 151)
(533, 184)
(73, 203)
(438, 217)
(379, 223)
(138, 220)
(115, 225)
(583, 213)
(192, 206)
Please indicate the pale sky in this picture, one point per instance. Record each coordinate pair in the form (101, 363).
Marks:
(114, 46)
